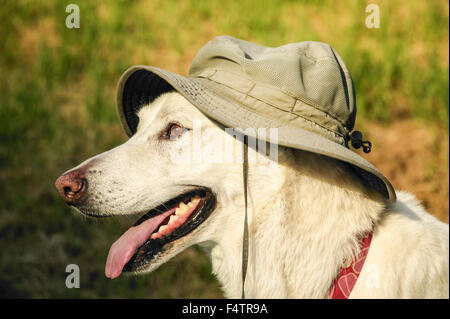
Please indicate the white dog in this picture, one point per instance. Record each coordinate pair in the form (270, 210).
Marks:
(304, 213)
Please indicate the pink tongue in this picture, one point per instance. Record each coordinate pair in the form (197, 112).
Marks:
(123, 248)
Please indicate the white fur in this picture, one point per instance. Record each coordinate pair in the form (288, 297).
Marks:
(305, 215)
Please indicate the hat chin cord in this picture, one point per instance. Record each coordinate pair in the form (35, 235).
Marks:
(245, 233)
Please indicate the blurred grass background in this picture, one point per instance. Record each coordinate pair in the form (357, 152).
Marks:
(57, 108)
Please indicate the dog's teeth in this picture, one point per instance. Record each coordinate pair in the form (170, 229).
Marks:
(162, 228)
(153, 236)
(190, 204)
(181, 210)
(173, 218)
(183, 206)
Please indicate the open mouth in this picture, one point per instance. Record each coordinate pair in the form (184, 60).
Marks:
(161, 225)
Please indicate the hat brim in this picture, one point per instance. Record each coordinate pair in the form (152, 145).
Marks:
(141, 84)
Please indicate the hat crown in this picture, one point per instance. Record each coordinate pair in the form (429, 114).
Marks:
(306, 83)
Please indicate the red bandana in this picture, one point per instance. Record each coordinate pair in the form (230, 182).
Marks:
(346, 280)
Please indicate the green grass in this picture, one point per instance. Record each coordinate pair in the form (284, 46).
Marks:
(57, 108)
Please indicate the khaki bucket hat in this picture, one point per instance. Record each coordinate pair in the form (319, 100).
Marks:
(303, 89)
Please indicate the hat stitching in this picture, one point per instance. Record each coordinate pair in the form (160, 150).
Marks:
(307, 101)
(251, 114)
(337, 134)
(318, 59)
(339, 138)
(249, 90)
(189, 87)
(302, 99)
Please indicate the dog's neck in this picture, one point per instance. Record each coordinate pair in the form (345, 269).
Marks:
(304, 221)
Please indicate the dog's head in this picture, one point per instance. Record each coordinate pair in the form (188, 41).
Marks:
(179, 175)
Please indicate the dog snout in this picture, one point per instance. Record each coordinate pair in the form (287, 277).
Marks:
(72, 186)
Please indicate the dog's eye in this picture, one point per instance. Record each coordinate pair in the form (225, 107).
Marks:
(174, 131)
